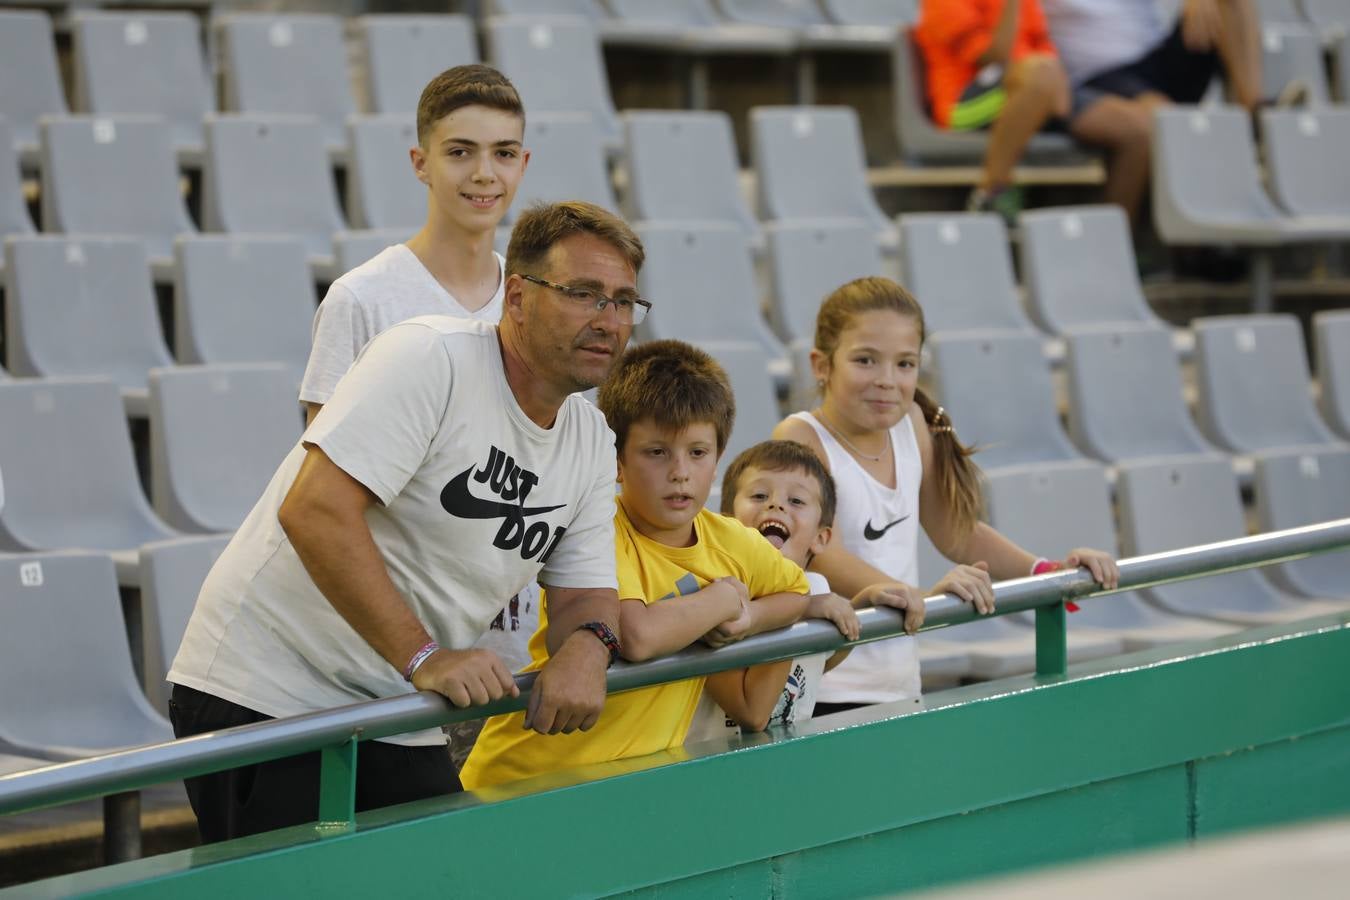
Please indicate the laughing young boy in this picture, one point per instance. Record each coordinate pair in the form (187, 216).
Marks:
(685, 573)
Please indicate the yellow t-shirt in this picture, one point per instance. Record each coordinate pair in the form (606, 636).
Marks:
(649, 719)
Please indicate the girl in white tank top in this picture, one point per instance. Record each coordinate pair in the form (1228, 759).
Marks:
(887, 445)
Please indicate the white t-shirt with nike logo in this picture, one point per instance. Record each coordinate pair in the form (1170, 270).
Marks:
(476, 500)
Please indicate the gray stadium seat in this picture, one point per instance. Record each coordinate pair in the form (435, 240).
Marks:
(1252, 376)
(30, 82)
(1279, 12)
(172, 573)
(701, 282)
(114, 175)
(243, 299)
(82, 307)
(682, 166)
(293, 64)
(1331, 338)
(826, 141)
(1305, 159)
(1303, 487)
(996, 388)
(1331, 17)
(404, 52)
(891, 13)
(959, 267)
(14, 218)
(586, 9)
(382, 189)
(1078, 265)
(1054, 508)
(269, 175)
(756, 400)
(144, 63)
(70, 481)
(567, 162)
(1171, 504)
(217, 434)
(91, 705)
(807, 261)
(1293, 52)
(555, 63)
(1111, 369)
(808, 19)
(355, 247)
(692, 26)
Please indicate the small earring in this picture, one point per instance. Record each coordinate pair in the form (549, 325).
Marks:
(820, 384)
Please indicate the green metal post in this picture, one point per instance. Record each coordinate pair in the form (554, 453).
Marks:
(1052, 635)
(337, 789)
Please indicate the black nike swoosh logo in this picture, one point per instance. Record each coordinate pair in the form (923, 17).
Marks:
(459, 501)
(873, 534)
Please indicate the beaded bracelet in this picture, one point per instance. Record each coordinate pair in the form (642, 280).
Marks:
(418, 658)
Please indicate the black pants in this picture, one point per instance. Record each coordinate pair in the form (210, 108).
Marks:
(284, 792)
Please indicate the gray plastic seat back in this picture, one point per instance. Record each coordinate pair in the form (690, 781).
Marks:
(14, 218)
(567, 162)
(1305, 157)
(1078, 266)
(80, 307)
(1176, 503)
(242, 299)
(808, 260)
(382, 189)
(756, 399)
(404, 52)
(682, 166)
(780, 13)
(1110, 368)
(960, 269)
(701, 282)
(70, 601)
(30, 83)
(1332, 17)
(270, 175)
(143, 63)
(996, 388)
(555, 64)
(587, 9)
(292, 64)
(172, 573)
(113, 175)
(685, 13)
(788, 142)
(1293, 52)
(69, 476)
(1303, 487)
(1331, 338)
(1279, 12)
(894, 13)
(352, 248)
(1252, 375)
(217, 435)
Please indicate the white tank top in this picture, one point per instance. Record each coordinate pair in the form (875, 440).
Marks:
(880, 526)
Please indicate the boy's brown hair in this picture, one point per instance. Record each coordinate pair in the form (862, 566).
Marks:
(671, 384)
(472, 85)
(543, 225)
(779, 456)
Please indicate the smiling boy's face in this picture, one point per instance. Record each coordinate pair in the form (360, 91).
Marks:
(666, 477)
(784, 506)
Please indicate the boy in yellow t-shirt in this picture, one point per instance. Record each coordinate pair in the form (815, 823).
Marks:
(685, 573)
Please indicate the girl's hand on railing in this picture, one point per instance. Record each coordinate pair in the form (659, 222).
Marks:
(896, 595)
(466, 677)
(972, 584)
(1102, 565)
(835, 609)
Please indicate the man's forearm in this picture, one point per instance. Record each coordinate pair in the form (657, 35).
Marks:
(569, 609)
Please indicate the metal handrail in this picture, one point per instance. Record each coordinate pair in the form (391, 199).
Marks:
(132, 769)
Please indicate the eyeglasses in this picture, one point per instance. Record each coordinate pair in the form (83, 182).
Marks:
(630, 310)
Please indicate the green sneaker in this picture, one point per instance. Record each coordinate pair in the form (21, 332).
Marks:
(1006, 201)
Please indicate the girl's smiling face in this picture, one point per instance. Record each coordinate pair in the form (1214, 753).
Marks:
(871, 377)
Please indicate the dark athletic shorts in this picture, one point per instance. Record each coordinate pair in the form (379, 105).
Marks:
(1169, 69)
(284, 792)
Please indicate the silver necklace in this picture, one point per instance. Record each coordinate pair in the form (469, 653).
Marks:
(820, 411)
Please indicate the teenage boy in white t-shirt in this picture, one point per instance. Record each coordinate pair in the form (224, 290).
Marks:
(469, 154)
(453, 465)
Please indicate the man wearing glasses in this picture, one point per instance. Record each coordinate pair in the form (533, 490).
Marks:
(452, 465)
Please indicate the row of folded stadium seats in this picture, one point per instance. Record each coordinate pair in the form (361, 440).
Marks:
(71, 599)
(152, 63)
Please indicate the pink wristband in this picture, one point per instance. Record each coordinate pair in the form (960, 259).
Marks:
(418, 658)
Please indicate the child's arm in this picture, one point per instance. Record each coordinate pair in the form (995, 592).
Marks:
(838, 610)
(660, 628)
(766, 614)
(748, 696)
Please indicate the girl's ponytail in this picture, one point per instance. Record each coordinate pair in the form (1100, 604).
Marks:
(958, 479)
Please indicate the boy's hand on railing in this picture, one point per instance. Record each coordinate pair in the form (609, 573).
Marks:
(737, 625)
(1102, 565)
(972, 584)
(835, 609)
(466, 677)
(896, 595)
(569, 693)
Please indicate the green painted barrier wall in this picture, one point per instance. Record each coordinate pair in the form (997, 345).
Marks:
(1138, 751)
